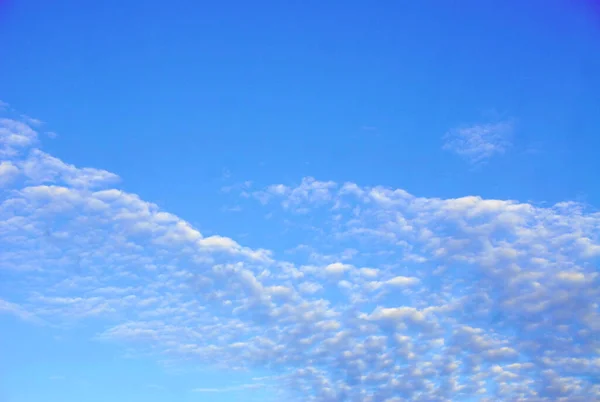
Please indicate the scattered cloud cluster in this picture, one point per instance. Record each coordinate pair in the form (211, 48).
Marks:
(398, 297)
(479, 142)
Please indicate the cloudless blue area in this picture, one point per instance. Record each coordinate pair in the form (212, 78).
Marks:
(181, 98)
(75, 368)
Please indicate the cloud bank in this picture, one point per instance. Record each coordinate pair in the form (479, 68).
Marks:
(398, 298)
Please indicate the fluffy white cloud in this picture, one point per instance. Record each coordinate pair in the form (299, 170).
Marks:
(402, 297)
(337, 268)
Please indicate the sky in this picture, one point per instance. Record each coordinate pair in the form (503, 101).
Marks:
(305, 201)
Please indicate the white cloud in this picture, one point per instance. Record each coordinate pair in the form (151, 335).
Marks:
(337, 268)
(479, 142)
(402, 281)
(400, 298)
(15, 136)
(397, 314)
(503, 266)
(8, 172)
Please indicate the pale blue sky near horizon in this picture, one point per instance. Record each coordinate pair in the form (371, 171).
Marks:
(185, 101)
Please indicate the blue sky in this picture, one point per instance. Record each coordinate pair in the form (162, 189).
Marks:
(316, 201)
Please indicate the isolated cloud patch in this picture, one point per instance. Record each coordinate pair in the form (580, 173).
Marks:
(479, 142)
(397, 297)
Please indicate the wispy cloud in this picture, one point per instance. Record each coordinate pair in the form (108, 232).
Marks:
(32, 121)
(18, 311)
(479, 142)
(236, 388)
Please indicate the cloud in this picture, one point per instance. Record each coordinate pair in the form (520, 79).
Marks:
(400, 297)
(479, 142)
(337, 268)
(31, 121)
(14, 136)
(8, 172)
(18, 311)
(513, 280)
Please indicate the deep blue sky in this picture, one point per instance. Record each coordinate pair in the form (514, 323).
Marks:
(181, 98)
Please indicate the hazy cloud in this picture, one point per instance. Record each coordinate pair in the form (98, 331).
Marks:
(479, 142)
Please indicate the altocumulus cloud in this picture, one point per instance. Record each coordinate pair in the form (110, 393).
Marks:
(399, 298)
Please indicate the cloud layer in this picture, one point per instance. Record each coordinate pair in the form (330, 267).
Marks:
(398, 297)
